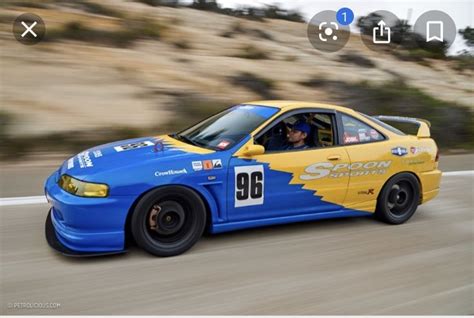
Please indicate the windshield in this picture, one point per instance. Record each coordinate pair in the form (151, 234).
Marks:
(227, 128)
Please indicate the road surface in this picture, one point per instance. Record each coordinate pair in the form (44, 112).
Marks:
(343, 266)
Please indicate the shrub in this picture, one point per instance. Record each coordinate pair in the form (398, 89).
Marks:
(27, 4)
(191, 108)
(452, 124)
(253, 53)
(249, 12)
(156, 3)
(187, 108)
(182, 44)
(407, 39)
(256, 84)
(356, 59)
(96, 8)
(130, 31)
(237, 29)
(464, 62)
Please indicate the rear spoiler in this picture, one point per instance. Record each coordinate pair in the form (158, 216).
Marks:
(423, 125)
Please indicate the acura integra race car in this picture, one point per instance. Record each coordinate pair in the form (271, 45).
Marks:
(254, 164)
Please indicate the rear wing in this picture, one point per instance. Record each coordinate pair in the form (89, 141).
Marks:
(423, 125)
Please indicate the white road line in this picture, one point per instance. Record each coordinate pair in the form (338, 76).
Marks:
(23, 200)
(40, 199)
(466, 173)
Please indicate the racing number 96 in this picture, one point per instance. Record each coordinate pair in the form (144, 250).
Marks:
(243, 185)
(249, 184)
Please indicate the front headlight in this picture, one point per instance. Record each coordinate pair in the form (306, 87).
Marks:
(83, 189)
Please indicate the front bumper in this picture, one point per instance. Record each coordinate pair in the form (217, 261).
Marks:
(53, 241)
(79, 226)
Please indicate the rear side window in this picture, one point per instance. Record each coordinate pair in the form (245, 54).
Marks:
(356, 132)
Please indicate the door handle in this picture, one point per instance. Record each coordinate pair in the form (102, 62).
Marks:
(334, 157)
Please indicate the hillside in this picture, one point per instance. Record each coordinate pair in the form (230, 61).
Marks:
(146, 68)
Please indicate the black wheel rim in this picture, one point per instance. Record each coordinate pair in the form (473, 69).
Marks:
(168, 221)
(400, 198)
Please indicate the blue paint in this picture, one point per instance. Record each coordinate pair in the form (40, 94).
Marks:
(133, 167)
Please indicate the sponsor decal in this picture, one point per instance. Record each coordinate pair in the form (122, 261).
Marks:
(216, 164)
(374, 134)
(363, 135)
(170, 172)
(70, 163)
(350, 139)
(223, 144)
(97, 153)
(415, 150)
(366, 192)
(327, 169)
(85, 160)
(249, 186)
(207, 164)
(158, 146)
(134, 145)
(412, 162)
(399, 151)
(197, 165)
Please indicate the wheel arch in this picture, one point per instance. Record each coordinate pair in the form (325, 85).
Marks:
(399, 173)
(209, 203)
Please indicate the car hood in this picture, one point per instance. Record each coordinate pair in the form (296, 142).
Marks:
(127, 154)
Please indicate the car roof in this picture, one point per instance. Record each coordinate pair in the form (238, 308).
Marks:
(287, 105)
(291, 104)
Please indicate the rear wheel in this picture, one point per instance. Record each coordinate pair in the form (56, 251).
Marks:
(399, 199)
(168, 221)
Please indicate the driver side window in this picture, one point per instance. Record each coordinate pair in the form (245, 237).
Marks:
(299, 132)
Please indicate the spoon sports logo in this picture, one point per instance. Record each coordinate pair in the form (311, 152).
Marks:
(327, 169)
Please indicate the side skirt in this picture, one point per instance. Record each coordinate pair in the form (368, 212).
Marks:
(232, 226)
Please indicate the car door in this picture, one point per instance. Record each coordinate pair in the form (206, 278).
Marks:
(286, 183)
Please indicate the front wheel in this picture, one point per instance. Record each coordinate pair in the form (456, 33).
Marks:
(168, 221)
(399, 199)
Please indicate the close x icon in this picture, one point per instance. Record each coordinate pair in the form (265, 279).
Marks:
(29, 29)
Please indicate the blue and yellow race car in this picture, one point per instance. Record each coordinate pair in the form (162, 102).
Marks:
(254, 164)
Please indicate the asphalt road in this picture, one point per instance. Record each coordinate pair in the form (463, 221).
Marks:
(344, 266)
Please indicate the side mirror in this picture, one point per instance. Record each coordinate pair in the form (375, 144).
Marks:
(253, 150)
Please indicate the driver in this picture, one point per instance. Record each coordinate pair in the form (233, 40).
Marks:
(297, 136)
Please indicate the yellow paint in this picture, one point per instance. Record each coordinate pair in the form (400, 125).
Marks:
(421, 163)
(331, 189)
(169, 141)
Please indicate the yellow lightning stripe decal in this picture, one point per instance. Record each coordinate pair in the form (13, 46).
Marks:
(296, 166)
(171, 142)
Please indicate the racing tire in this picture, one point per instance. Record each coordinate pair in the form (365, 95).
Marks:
(399, 199)
(168, 221)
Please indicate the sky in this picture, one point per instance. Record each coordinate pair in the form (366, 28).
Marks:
(460, 10)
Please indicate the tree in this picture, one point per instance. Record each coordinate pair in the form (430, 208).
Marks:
(210, 5)
(468, 35)
(367, 23)
(402, 34)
